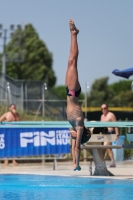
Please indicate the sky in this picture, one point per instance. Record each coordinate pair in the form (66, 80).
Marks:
(105, 39)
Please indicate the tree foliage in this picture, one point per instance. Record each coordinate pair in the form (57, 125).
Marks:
(100, 92)
(37, 63)
(123, 95)
(124, 98)
(116, 94)
(122, 85)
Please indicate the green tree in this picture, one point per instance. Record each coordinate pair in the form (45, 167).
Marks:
(37, 64)
(116, 94)
(123, 95)
(124, 98)
(100, 92)
(121, 86)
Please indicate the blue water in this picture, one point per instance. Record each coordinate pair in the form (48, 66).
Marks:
(40, 187)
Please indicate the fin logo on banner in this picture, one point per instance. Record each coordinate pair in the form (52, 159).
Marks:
(2, 141)
(60, 137)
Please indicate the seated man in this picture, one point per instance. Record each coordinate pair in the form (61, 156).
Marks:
(10, 116)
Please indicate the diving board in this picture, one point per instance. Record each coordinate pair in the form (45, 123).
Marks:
(66, 124)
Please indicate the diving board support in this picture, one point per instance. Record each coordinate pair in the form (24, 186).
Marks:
(100, 165)
(55, 164)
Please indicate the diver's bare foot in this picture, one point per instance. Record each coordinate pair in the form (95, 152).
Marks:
(14, 162)
(73, 28)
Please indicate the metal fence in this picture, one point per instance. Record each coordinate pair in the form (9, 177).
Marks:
(31, 97)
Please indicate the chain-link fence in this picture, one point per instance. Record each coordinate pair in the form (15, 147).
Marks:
(31, 97)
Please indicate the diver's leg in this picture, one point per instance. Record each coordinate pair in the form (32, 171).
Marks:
(77, 147)
(14, 162)
(111, 155)
(73, 152)
(72, 73)
(6, 162)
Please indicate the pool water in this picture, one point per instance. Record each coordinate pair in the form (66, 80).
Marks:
(40, 187)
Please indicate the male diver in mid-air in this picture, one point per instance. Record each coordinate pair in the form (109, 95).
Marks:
(80, 134)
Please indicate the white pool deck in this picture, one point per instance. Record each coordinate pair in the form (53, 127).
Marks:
(123, 169)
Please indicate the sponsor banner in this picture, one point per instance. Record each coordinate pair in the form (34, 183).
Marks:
(33, 141)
